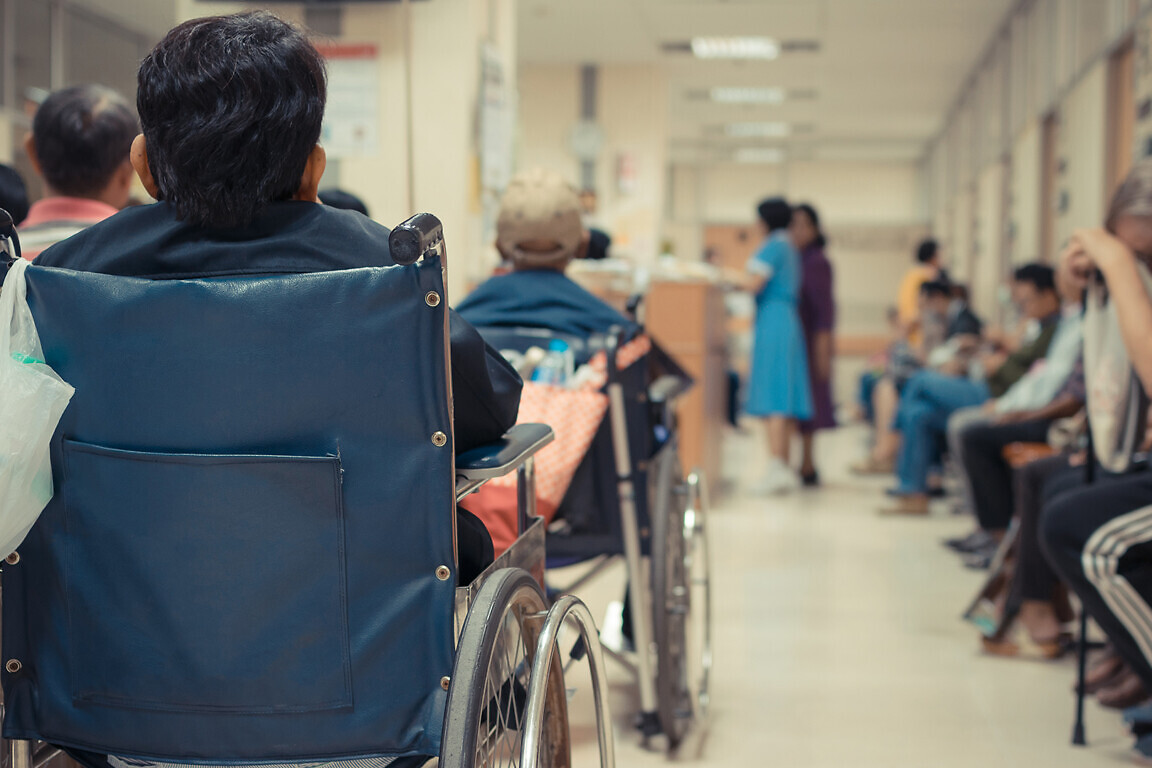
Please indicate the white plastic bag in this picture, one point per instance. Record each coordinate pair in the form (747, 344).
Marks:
(32, 400)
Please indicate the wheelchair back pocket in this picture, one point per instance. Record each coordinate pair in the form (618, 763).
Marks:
(208, 583)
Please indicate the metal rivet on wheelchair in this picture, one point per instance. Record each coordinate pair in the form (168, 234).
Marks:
(445, 682)
(439, 439)
(13, 558)
(13, 666)
(443, 573)
(432, 298)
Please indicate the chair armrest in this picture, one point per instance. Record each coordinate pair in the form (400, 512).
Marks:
(667, 388)
(1019, 454)
(496, 459)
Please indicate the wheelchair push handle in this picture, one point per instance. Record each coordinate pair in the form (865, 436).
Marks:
(9, 240)
(413, 239)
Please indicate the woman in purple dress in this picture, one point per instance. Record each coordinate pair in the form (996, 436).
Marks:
(817, 312)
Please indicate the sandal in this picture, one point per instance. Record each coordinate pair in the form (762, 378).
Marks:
(1020, 645)
(1104, 673)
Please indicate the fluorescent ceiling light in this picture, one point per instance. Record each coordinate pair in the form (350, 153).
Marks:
(748, 95)
(761, 155)
(757, 130)
(735, 48)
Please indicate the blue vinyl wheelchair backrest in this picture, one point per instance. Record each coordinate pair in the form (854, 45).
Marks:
(253, 496)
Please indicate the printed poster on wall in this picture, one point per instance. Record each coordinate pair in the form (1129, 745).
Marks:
(353, 114)
(496, 120)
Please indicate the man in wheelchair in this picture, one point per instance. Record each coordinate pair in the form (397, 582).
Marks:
(540, 232)
(619, 475)
(231, 110)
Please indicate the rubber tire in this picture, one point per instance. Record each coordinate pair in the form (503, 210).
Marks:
(668, 576)
(507, 590)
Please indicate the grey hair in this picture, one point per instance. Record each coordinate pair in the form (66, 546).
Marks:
(1134, 195)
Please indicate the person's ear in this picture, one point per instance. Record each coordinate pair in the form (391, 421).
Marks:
(139, 158)
(309, 190)
(30, 150)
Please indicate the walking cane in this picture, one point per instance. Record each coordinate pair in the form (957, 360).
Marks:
(1078, 737)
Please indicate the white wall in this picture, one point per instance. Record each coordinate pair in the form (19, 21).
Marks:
(632, 113)
(155, 16)
(987, 275)
(730, 192)
(1025, 205)
(549, 107)
(962, 238)
(844, 192)
(873, 213)
(1083, 131)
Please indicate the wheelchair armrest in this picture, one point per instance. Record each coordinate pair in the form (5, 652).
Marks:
(667, 388)
(496, 459)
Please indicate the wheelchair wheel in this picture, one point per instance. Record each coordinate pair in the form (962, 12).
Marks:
(486, 700)
(681, 599)
(698, 566)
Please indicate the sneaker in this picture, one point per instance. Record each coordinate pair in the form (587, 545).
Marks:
(973, 542)
(980, 560)
(1139, 718)
(1142, 754)
(778, 479)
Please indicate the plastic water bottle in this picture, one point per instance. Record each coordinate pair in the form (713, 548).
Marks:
(556, 366)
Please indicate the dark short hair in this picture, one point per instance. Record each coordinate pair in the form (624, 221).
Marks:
(83, 135)
(599, 242)
(810, 212)
(934, 288)
(1041, 276)
(13, 194)
(960, 291)
(775, 213)
(338, 198)
(231, 107)
(927, 251)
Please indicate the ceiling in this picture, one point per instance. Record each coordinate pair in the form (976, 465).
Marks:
(878, 86)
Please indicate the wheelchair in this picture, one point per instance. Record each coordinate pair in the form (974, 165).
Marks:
(250, 555)
(630, 498)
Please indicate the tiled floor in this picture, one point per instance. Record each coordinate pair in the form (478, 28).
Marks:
(839, 643)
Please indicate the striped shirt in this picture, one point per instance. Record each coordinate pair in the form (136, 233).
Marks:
(58, 218)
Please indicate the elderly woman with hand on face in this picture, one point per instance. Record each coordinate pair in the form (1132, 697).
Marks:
(1099, 537)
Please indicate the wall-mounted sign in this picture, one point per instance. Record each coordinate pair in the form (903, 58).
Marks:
(353, 114)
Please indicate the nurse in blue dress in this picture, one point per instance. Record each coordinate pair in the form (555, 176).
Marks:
(778, 386)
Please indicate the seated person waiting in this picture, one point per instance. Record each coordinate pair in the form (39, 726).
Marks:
(931, 397)
(540, 232)
(229, 148)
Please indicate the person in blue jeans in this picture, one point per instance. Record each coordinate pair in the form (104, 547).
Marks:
(931, 397)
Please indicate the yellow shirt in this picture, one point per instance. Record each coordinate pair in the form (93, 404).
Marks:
(908, 297)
